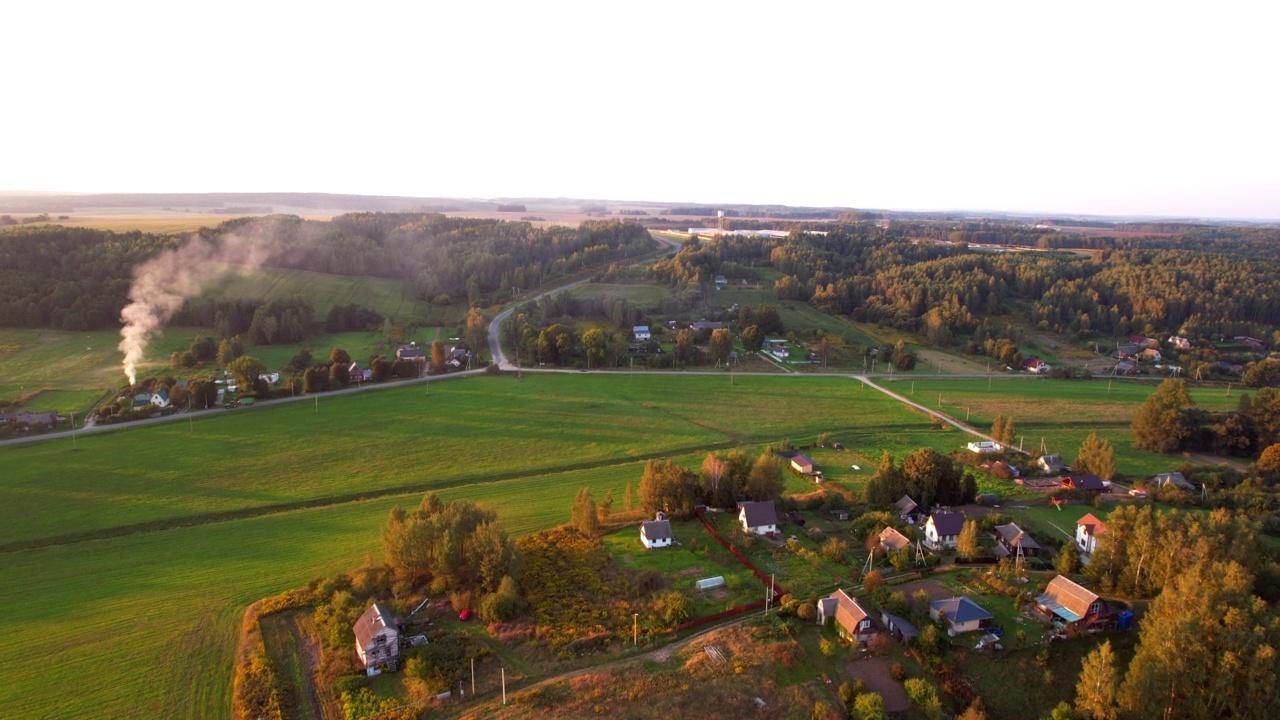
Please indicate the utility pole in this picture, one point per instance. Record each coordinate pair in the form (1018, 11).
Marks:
(73, 431)
(317, 403)
(504, 686)
(635, 629)
(473, 675)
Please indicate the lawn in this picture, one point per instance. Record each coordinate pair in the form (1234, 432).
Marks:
(639, 296)
(696, 556)
(58, 370)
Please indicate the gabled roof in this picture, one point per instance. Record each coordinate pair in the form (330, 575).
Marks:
(1092, 524)
(1051, 463)
(706, 325)
(801, 460)
(759, 514)
(905, 504)
(371, 623)
(657, 530)
(899, 624)
(1015, 536)
(848, 612)
(1066, 599)
(893, 540)
(960, 610)
(1084, 482)
(640, 328)
(948, 523)
(1175, 479)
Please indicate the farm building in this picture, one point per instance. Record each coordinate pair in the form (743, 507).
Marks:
(1050, 464)
(962, 614)
(760, 518)
(1088, 483)
(641, 332)
(801, 464)
(777, 347)
(985, 446)
(705, 326)
(907, 508)
(377, 639)
(1174, 479)
(1011, 538)
(656, 533)
(1088, 529)
(898, 627)
(851, 620)
(1073, 605)
(942, 530)
(411, 352)
(892, 540)
(1035, 365)
(1180, 343)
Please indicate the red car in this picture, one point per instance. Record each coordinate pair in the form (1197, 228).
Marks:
(465, 615)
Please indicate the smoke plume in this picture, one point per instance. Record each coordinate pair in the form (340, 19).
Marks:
(162, 284)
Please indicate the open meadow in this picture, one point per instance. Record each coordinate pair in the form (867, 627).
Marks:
(150, 541)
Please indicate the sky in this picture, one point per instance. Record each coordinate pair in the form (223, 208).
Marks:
(1112, 108)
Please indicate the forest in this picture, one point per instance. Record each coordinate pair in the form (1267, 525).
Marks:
(79, 278)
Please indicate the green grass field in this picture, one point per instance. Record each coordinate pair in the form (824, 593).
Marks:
(192, 523)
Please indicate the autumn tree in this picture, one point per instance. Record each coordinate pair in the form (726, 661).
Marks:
(768, 320)
(229, 349)
(475, 333)
(1162, 423)
(721, 345)
(997, 426)
(765, 481)
(752, 338)
(1096, 457)
(1269, 460)
(716, 483)
(1009, 435)
(595, 342)
(967, 544)
(437, 356)
(1098, 683)
(453, 544)
(585, 520)
(1206, 648)
(869, 706)
(888, 483)
(1068, 560)
(686, 351)
(669, 487)
(246, 368)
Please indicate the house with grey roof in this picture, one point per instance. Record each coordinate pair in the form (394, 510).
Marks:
(377, 639)
(656, 533)
(942, 530)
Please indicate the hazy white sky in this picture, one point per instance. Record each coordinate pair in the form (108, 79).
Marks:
(1109, 107)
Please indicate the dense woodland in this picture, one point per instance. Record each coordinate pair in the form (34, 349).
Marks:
(79, 279)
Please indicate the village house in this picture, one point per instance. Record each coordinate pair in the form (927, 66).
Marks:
(851, 620)
(656, 533)
(1012, 541)
(1050, 464)
(720, 280)
(411, 352)
(705, 326)
(801, 464)
(760, 518)
(1125, 352)
(1035, 365)
(961, 614)
(908, 509)
(377, 639)
(1143, 342)
(1073, 605)
(641, 333)
(1088, 483)
(892, 540)
(1088, 529)
(777, 347)
(942, 530)
(1180, 343)
(985, 446)
(1174, 479)
(359, 374)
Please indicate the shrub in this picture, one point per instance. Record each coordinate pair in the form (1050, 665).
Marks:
(828, 647)
(807, 612)
(835, 550)
(925, 698)
(898, 672)
(499, 607)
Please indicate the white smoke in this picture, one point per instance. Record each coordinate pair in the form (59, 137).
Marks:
(162, 284)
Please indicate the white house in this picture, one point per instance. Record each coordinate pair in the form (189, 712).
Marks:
(656, 533)
(942, 530)
(377, 639)
(1088, 528)
(985, 446)
(641, 332)
(961, 614)
(160, 398)
(760, 518)
(271, 378)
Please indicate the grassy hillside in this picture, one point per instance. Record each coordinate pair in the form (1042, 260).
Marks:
(392, 298)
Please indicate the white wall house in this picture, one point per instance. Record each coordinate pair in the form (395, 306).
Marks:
(656, 533)
(641, 332)
(942, 530)
(760, 518)
(1088, 528)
